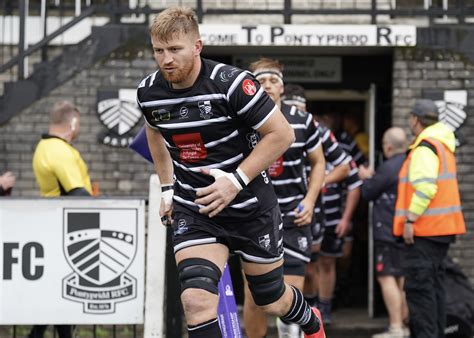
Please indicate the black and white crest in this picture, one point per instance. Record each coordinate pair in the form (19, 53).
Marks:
(206, 109)
(119, 113)
(98, 253)
(451, 105)
(99, 246)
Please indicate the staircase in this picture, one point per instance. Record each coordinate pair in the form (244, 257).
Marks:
(49, 75)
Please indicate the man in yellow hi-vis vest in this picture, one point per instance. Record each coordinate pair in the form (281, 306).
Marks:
(428, 215)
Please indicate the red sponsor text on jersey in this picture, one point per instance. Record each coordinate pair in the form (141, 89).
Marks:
(249, 87)
(191, 147)
(276, 169)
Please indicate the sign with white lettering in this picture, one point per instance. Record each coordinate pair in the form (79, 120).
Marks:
(302, 69)
(309, 35)
(80, 261)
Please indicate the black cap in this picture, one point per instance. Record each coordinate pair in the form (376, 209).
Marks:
(425, 108)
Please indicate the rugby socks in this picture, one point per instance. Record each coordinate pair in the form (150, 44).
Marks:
(300, 313)
(205, 330)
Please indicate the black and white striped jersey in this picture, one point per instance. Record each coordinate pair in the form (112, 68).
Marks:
(287, 171)
(350, 146)
(335, 193)
(211, 125)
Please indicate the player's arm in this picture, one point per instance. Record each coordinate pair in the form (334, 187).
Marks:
(276, 137)
(316, 179)
(164, 169)
(338, 174)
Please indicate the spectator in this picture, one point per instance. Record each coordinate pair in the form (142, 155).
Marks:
(296, 197)
(381, 187)
(7, 181)
(428, 215)
(60, 171)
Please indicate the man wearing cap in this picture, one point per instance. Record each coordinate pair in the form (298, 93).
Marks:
(428, 215)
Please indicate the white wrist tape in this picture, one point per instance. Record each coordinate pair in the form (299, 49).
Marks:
(217, 173)
(167, 193)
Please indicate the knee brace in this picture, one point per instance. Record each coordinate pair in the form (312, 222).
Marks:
(199, 273)
(267, 288)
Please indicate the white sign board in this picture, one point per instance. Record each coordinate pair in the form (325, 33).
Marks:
(308, 35)
(72, 261)
(300, 69)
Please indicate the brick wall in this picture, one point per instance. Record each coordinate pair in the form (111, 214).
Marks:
(117, 170)
(416, 72)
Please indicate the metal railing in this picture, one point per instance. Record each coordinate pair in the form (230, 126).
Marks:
(117, 10)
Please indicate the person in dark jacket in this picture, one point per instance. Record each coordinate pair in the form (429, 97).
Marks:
(381, 187)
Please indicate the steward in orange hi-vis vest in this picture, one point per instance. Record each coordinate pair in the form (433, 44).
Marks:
(443, 216)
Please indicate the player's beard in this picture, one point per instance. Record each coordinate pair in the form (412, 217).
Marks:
(180, 74)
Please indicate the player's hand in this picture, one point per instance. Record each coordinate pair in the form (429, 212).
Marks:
(343, 228)
(365, 172)
(7, 180)
(304, 212)
(166, 207)
(215, 197)
(408, 234)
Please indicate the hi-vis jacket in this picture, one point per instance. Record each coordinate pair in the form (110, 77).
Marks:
(428, 186)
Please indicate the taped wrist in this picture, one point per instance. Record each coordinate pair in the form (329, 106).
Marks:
(167, 193)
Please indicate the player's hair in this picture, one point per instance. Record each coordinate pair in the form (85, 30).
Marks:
(294, 90)
(174, 21)
(267, 64)
(63, 112)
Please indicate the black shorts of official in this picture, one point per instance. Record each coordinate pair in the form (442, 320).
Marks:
(388, 259)
(331, 245)
(256, 240)
(297, 246)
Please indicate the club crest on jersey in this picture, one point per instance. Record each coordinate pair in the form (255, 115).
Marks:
(253, 139)
(99, 253)
(264, 241)
(303, 243)
(205, 109)
(118, 111)
(249, 87)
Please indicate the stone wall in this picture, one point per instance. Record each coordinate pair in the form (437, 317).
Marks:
(117, 170)
(419, 73)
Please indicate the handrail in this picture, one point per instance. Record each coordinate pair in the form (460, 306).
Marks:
(86, 13)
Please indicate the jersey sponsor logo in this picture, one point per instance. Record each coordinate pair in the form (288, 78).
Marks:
(118, 111)
(276, 168)
(182, 227)
(183, 113)
(225, 76)
(249, 87)
(206, 109)
(99, 253)
(264, 241)
(191, 147)
(161, 115)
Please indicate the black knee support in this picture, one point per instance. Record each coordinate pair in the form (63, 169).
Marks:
(267, 288)
(199, 273)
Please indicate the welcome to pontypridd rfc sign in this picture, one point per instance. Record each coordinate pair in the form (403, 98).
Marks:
(309, 35)
(72, 261)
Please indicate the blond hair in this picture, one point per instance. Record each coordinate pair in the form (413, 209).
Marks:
(63, 112)
(174, 21)
(266, 63)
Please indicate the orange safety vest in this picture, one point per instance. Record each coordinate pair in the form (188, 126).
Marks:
(443, 216)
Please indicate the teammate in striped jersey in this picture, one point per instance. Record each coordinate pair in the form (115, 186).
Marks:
(203, 124)
(296, 197)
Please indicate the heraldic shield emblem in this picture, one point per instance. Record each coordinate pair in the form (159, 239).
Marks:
(99, 250)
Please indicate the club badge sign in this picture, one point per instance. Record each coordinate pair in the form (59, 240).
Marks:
(119, 113)
(99, 253)
(80, 261)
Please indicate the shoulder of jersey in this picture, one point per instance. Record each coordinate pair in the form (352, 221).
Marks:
(148, 81)
(224, 75)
